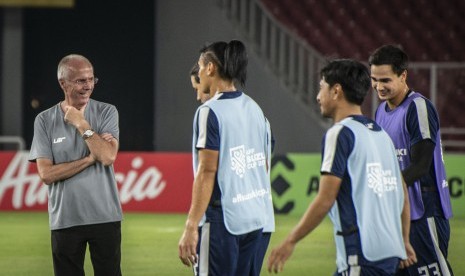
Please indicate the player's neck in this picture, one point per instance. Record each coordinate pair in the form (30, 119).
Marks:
(223, 86)
(346, 111)
(396, 101)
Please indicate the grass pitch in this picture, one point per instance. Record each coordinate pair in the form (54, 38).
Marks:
(150, 241)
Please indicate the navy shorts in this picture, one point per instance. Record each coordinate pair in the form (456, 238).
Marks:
(430, 239)
(257, 261)
(222, 253)
(359, 266)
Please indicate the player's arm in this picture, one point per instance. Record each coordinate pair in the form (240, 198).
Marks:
(421, 156)
(405, 217)
(104, 150)
(201, 194)
(320, 206)
(50, 173)
(102, 147)
(423, 125)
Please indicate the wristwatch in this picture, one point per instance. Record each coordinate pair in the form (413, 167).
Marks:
(87, 134)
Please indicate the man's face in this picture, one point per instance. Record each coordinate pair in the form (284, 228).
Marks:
(78, 85)
(325, 100)
(205, 79)
(388, 85)
(201, 97)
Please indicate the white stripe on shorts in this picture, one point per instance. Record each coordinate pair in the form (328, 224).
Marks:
(434, 237)
(204, 250)
(354, 268)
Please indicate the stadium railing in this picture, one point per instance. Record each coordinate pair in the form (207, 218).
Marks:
(293, 61)
(12, 140)
(453, 139)
(296, 64)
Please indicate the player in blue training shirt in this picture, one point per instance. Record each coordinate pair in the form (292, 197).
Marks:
(230, 154)
(361, 184)
(257, 260)
(413, 125)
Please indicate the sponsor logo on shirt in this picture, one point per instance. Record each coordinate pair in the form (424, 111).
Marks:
(379, 180)
(400, 154)
(243, 159)
(369, 125)
(58, 140)
(445, 184)
(254, 194)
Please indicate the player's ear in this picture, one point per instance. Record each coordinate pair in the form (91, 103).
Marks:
(336, 91)
(403, 76)
(62, 83)
(210, 68)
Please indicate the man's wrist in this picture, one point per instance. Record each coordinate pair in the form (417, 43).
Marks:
(190, 225)
(87, 134)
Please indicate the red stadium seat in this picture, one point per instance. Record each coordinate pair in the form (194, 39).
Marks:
(428, 30)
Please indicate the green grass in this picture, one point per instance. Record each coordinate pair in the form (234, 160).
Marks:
(150, 246)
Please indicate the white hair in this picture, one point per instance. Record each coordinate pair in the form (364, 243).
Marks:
(64, 66)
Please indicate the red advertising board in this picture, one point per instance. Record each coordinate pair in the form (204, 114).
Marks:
(147, 182)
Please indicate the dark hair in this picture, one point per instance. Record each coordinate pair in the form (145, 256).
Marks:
(390, 55)
(230, 58)
(195, 72)
(353, 77)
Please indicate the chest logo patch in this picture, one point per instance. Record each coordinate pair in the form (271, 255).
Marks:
(243, 159)
(58, 140)
(379, 180)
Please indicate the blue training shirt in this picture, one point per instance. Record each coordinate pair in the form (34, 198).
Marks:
(368, 207)
(233, 124)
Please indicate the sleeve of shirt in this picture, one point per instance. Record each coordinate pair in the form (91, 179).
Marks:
(337, 145)
(40, 147)
(422, 121)
(110, 121)
(208, 130)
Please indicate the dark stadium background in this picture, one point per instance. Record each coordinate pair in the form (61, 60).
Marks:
(143, 50)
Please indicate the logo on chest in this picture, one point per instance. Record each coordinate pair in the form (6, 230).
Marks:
(243, 159)
(58, 140)
(380, 180)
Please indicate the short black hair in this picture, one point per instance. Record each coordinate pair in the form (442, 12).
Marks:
(352, 75)
(390, 55)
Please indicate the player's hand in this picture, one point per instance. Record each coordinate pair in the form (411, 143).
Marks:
(188, 246)
(411, 257)
(107, 137)
(74, 116)
(279, 256)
